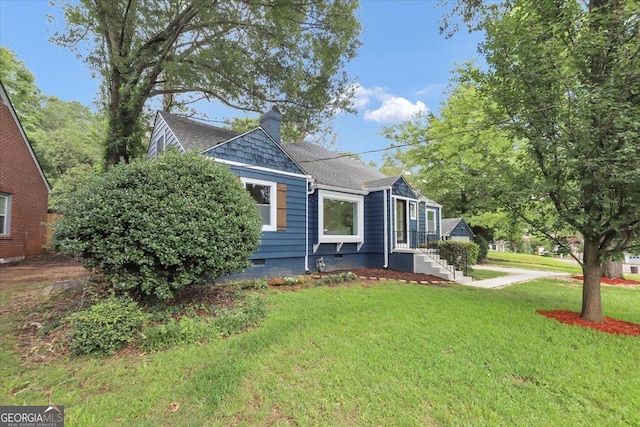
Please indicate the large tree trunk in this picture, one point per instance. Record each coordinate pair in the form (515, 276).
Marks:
(592, 271)
(612, 269)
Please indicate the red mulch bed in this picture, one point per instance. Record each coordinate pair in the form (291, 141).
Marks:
(607, 281)
(609, 325)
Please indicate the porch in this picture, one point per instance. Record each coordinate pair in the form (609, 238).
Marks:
(417, 252)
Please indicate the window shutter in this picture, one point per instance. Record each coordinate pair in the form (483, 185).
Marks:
(282, 207)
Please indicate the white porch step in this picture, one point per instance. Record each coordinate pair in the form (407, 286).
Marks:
(425, 264)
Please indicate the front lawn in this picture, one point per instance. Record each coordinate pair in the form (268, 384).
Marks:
(531, 262)
(370, 354)
(538, 262)
(478, 274)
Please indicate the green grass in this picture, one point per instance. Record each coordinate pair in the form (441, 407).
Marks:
(389, 354)
(537, 262)
(478, 274)
(532, 262)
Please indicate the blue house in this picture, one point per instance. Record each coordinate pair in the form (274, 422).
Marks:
(456, 229)
(321, 210)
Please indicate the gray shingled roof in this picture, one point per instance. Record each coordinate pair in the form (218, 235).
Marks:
(429, 202)
(448, 224)
(194, 135)
(323, 165)
(383, 182)
(328, 169)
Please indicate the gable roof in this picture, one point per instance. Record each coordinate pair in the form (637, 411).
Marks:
(194, 135)
(328, 168)
(449, 224)
(4, 98)
(331, 169)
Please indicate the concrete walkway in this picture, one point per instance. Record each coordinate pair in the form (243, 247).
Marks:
(516, 275)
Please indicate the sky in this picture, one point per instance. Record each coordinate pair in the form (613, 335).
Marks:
(404, 66)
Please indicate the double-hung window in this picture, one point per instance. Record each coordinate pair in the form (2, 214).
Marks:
(264, 193)
(5, 210)
(340, 218)
(431, 221)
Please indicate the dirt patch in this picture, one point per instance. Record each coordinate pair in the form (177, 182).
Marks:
(609, 325)
(42, 268)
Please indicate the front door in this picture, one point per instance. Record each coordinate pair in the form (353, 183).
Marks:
(401, 223)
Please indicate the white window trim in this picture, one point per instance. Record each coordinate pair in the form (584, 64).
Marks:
(273, 202)
(426, 220)
(359, 200)
(7, 215)
(413, 211)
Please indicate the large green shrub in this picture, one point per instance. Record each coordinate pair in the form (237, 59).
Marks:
(483, 247)
(155, 227)
(461, 254)
(106, 327)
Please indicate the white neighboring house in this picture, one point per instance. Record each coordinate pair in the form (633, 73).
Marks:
(631, 259)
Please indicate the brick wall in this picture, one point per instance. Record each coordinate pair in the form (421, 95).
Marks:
(20, 177)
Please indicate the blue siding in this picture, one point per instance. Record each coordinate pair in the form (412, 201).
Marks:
(276, 267)
(401, 261)
(255, 148)
(347, 261)
(289, 243)
(401, 188)
(374, 223)
(462, 230)
(371, 253)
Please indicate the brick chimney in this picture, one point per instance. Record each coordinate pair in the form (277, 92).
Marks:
(271, 122)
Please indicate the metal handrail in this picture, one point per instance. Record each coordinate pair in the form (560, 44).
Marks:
(426, 242)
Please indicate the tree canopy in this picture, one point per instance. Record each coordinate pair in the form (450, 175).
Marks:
(566, 76)
(63, 134)
(244, 54)
(458, 158)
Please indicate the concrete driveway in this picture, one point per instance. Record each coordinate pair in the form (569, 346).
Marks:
(516, 275)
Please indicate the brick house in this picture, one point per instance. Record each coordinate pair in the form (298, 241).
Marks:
(24, 189)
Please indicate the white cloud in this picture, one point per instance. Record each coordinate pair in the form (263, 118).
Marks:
(392, 109)
(395, 109)
(363, 96)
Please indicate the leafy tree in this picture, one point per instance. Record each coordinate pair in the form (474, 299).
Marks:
(245, 54)
(65, 135)
(565, 73)
(322, 134)
(457, 158)
(155, 227)
(20, 84)
(75, 177)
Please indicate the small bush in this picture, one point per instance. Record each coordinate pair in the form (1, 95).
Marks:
(106, 327)
(250, 311)
(339, 278)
